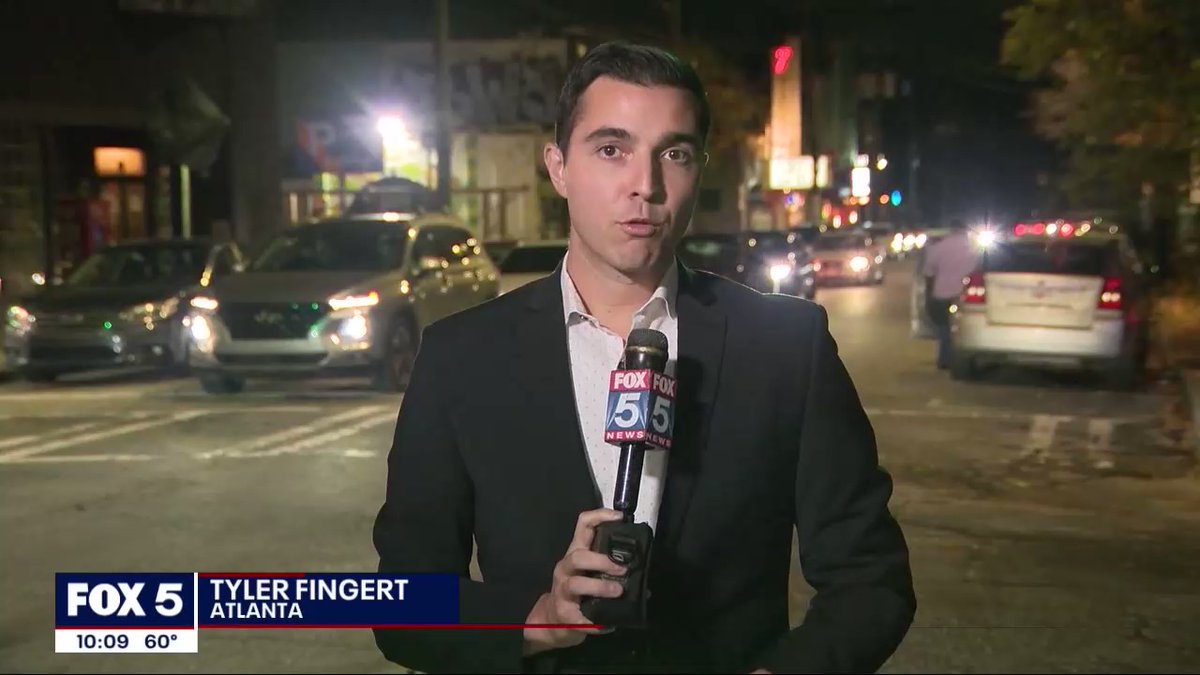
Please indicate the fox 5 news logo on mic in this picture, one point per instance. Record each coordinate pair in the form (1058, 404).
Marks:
(641, 407)
(125, 613)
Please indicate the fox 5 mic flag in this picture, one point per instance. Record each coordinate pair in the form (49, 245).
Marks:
(641, 407)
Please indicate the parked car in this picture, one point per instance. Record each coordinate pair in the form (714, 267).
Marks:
(346, 296)
(1059, 299)
(124, 305)
(528, 262)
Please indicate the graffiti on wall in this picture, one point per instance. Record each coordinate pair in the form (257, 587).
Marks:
(489, 92)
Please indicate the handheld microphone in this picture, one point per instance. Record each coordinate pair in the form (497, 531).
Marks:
(640, 416)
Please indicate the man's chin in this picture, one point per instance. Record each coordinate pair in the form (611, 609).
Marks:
(640, 265)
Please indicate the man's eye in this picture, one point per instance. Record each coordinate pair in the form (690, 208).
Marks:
(679, 155)
(609, 151)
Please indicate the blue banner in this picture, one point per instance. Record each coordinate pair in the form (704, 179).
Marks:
(150, 600)
(327, 600)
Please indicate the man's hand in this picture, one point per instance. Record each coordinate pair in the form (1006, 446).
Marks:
(561, 605)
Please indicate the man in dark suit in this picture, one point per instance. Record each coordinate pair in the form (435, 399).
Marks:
(496, 442)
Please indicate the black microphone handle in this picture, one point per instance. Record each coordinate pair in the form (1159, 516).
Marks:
(629, 478)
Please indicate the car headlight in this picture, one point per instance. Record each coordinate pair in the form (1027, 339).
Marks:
(205, 303)
(780, 271)
(985, 238)
(859, 263)
(200, 328)
(921, 239)
(355, 328)
(19, 320)
(354, 301)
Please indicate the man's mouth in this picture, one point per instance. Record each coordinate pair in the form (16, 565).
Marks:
(639, 227)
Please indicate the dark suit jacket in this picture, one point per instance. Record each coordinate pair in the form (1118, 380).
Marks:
(770, 437)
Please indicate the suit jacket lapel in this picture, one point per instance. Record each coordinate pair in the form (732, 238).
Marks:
(701, 348)
(543, 363)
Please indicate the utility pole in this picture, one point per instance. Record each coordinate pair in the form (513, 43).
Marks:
(442, 65)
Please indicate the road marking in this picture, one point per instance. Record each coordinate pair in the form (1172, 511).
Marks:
(1099, 446)
(250, 448)
(107, 394)
(21, 440)
(326, 438)
(142, 414)
(985, 414)
(72, 459)
(29, 451)
(1041, 436)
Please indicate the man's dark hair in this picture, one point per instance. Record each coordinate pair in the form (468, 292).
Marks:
(636, 64)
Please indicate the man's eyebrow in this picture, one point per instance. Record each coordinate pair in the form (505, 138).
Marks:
(608, 132)
(677, 137)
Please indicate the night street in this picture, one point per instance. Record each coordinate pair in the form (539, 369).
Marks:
(1054, 526)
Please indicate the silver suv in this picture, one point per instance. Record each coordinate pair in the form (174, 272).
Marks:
(338, 297)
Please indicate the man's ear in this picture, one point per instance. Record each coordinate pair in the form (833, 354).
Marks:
(556, 167)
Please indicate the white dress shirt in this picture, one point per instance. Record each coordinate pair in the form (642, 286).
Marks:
(595, 352)
(948, 262)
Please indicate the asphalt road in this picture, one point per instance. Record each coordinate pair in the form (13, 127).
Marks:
(1053, 526)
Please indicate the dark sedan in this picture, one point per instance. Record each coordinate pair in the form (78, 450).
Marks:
(769, 262)
(121, 306)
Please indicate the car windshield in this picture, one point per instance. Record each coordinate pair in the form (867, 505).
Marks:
(532, 259)
(841, 242)
(336, 247)
(1053, 257)
(141, 265)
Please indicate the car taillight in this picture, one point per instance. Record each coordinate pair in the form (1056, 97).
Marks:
(974, 292)
(1110, 295)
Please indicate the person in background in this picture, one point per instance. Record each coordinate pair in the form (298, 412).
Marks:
(947, 262)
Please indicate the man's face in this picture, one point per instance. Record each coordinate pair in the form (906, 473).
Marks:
(630, 174)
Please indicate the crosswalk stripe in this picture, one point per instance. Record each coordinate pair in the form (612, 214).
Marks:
(248, 448)
(326, 438)
(74, 429)
(29, 451)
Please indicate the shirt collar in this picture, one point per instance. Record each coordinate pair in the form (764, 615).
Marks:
(662, 302)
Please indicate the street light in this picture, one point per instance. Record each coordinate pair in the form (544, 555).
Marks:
(882, 163)
(397, 142)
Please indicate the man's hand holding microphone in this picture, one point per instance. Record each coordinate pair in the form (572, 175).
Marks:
(574, 579)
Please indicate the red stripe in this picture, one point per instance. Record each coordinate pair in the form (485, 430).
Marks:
(203, 575)
(409, 626)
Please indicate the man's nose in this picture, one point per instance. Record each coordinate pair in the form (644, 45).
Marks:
(646, 180)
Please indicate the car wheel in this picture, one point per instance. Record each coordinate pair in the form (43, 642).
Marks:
(399, 355)
(221, 384)
(962, 367)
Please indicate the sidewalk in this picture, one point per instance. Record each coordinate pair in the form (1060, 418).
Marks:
(1177, 343)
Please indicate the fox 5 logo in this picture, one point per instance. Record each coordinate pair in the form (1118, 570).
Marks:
(637, 416)
(135, 600)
